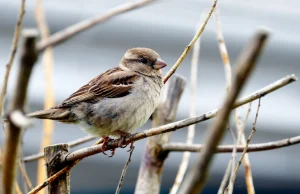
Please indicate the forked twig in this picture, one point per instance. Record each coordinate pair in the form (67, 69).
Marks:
(190, 45)
(124, 172)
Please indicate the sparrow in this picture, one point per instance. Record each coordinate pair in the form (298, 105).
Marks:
(117, 102)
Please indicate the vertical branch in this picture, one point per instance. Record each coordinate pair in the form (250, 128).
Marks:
(49, 89)
(191, 129)
(196, 178)
(150, 172)
(12, 141)
(12, 55)
(53, 156)
(225, 178)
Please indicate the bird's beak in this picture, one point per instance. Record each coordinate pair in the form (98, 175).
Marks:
(159, 64)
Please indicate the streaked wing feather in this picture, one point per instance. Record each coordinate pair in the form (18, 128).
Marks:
(111, 84)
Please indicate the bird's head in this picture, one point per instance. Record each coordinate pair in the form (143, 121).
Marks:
(142, 60)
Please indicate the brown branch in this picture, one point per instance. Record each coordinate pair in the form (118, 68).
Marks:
(12, 54)
(191, 129)
(12, 141)
(225, 178)
(149, 178)
(124, 172)
(85, 152)
(25, 175)
(196, 178)
(71, 144)
(190, 45)
(69, 32)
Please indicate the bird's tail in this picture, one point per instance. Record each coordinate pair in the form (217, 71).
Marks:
(58, 114)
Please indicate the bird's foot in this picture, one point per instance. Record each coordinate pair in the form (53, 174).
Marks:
(122, 143)
(104, 146)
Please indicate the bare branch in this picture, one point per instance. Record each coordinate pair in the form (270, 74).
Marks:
(12, 54)
(25, 175)
(197, 176)
(225, 178)
(124, 172)
(191, 129)
(190, 45)
(12, 141)
(85, 152)
(69, 32)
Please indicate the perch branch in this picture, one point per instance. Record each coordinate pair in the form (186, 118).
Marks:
(12, 55)
(12, 141)
(197, 176)
(190, 45)
(191, 129)
(85, 152)
(49, 88)
(75, 29)
(124, 172)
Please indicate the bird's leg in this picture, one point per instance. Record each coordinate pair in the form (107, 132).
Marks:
(123, 135)
(104, 145)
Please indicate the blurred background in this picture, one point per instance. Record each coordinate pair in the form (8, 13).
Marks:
(167, 27)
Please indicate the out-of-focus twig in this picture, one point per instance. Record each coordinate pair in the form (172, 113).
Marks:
(18, 189)
(225, 178)
(12, 141)
(190, 45)
(69, 32)
(124, 172)
(49, 88)
(12, 54)
(191, 129)
(85, 152)
(196, 178)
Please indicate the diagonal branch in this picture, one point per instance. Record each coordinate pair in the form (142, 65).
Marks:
(196, 178)
(69, 32)
(190, 45)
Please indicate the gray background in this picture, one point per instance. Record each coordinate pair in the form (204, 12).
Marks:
(167, 27)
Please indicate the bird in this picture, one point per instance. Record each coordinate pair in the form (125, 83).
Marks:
(117, 102)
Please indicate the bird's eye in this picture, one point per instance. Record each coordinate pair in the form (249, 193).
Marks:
(144, 61)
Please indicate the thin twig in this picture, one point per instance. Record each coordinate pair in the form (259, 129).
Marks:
(225, 178)
(191, 129)
(124, 172)
(49, 88)
(247, 144)
(197, 176)
(85, 152)
(190, 45)
(233, 155)
(69, 32)
(18, 189)
(12, 54)
(25, 175)
(259, 147)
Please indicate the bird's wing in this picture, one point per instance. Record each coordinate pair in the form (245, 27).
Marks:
(113, 83)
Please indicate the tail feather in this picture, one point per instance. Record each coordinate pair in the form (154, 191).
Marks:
(60, 114)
